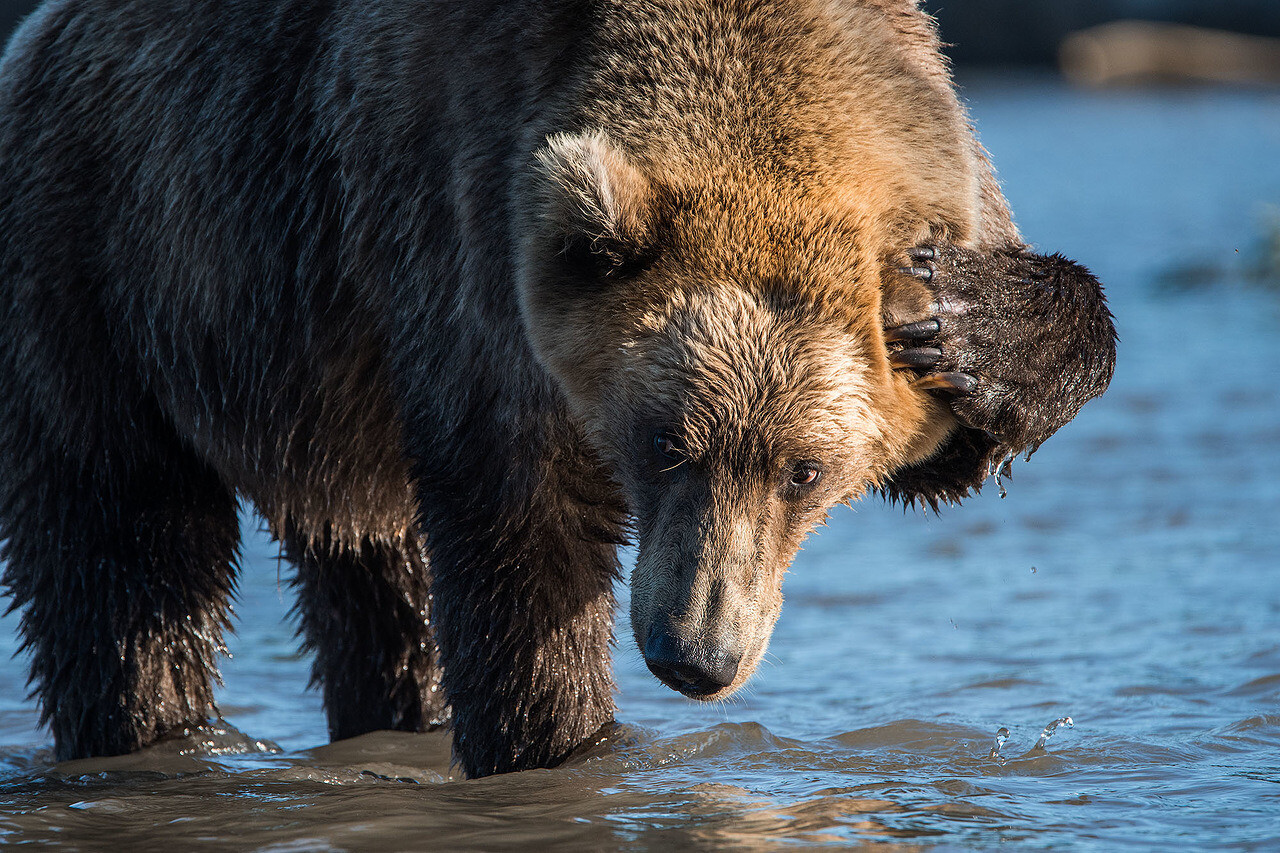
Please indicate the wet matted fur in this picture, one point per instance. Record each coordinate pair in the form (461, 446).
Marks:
(426, 281)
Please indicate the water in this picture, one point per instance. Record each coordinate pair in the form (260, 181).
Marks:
(1129, 582)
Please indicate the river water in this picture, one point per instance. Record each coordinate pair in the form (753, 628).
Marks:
(1128, 581)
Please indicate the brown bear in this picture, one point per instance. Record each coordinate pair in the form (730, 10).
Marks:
(460, 296)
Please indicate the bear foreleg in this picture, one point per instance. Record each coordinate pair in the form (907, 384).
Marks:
(123, 565)
(365, 611)
(523, 567)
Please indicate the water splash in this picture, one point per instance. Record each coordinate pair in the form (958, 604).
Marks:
(1002, 469)
(1049, 730)
(1002, 735)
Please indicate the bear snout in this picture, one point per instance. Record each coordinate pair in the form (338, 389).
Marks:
(698, 669)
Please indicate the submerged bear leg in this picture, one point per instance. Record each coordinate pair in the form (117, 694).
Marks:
(365, 611)
(523, 571)
(123, 563)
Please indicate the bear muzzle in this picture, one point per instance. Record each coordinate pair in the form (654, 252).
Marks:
(696, 668)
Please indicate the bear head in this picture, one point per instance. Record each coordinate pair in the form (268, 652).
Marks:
(720, 341)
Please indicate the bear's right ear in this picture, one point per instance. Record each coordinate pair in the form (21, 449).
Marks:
(599, 210)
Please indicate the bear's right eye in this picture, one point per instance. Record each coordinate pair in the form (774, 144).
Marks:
(668, 446)
(806, 474)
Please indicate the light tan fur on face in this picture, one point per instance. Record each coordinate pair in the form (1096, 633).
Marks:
(749, 389)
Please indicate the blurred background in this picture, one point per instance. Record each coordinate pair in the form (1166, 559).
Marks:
(1035, 32)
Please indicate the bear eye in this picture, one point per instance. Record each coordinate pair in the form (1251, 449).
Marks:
(805, 474)
(668, 446)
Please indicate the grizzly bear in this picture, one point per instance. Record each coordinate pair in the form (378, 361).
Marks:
(460, 296)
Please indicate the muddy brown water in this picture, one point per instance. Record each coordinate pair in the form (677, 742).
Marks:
(1131, 581)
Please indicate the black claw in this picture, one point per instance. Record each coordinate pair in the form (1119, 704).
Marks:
(920, 357)
(922, 273)
(957, 383)
(919, 331)
(923, 253)
(962, 382)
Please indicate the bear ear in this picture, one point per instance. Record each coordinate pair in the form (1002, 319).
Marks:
(598, 207)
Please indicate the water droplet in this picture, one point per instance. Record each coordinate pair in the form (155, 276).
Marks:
(1050, 729)
(1002, 735)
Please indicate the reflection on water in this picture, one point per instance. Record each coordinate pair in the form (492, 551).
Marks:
(1127, 581)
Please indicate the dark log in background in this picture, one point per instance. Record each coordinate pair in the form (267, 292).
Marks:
(1028, 32)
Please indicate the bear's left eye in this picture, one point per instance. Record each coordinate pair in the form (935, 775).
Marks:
(805, 474)
(668, 446)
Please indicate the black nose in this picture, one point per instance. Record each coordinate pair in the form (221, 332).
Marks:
(695, 669)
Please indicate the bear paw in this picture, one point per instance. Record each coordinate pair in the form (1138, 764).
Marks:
(1018, 341)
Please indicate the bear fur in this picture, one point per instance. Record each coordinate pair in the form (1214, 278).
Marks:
(461, 296)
